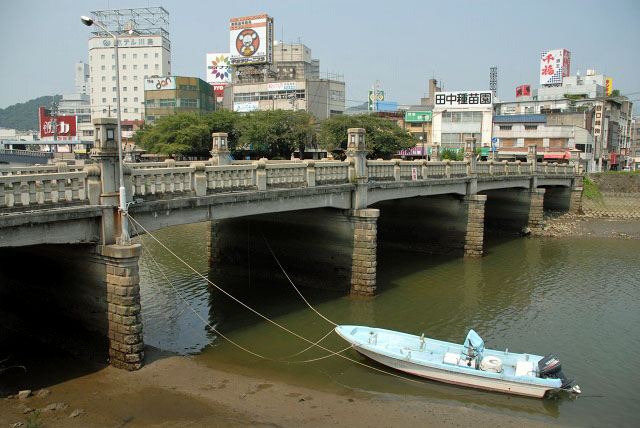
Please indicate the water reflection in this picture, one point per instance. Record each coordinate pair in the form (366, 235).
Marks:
(575, 298)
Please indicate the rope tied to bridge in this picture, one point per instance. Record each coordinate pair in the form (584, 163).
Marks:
(312, 344)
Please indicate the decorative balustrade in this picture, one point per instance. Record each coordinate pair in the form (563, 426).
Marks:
(35, 190)
(61, 183)
(330, 172)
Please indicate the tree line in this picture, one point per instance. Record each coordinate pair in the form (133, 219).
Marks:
(274, 134)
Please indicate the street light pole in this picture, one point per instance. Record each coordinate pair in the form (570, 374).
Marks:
(123, 193)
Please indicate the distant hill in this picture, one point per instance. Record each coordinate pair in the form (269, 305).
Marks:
(24, 116)
(358, 109)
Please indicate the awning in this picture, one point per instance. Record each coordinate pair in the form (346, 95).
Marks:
(80, 151)
(565, 155)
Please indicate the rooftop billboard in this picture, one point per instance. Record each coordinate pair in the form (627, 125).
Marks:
(251, 39)
(554, 65)
(463, 99)
(218, 68)
(66, 125)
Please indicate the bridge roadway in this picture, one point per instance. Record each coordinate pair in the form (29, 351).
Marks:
(340, 207)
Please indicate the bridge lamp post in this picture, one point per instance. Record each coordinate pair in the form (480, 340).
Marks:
(123, 194)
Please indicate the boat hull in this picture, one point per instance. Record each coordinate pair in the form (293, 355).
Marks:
(455, 378)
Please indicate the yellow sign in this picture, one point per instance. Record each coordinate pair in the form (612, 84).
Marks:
(609, 86)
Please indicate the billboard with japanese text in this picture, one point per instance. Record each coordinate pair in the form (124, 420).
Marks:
(159, 83)
(66, 125)
(251, 39)
(609, 85)
(463, 99)
(218, 68)
(523, 91)
(554, 65)
(417, 116)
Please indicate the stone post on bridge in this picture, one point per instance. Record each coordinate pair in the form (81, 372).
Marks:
(220, 149)
(435, 152)
(358, 174)
(532, 158)
(470, 158)
(120, 260)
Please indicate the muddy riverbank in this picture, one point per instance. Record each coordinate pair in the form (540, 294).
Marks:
(577, 225)
(176, 391)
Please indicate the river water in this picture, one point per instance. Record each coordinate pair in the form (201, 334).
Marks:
(575, 297)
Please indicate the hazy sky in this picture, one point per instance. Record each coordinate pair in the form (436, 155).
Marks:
(399, 43)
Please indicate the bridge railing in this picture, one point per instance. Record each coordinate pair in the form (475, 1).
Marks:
(40, 190)
(62, 183)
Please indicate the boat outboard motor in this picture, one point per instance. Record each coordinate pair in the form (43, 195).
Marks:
(550, 367)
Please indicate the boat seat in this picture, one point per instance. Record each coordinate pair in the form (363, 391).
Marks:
(451, 358)
(525, 368)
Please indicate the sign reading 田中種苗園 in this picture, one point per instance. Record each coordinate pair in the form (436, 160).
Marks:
(251, 39)
(463, 99)
(418, 116)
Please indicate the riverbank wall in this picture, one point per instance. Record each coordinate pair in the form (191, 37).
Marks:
(613, 195)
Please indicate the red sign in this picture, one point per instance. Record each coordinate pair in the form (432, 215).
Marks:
(66, 124)
(523, 91)
(218, 90)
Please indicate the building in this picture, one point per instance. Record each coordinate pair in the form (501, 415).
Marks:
(144, 51)
(174, 94)
(291, 82)
(460, 115)
(633, 159)
(78, 105)
(556, 135)
(82, 78)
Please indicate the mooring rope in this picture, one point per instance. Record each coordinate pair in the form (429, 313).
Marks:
(294, 286)
(187, 303)
(331, 353)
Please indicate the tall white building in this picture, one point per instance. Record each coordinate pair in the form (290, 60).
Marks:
(144, 51)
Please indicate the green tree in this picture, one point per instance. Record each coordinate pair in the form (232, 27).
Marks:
(274, 133)
(615, 93)
(451, 154)
(186, 134)
(383, 137)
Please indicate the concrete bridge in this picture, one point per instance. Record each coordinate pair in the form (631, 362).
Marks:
(326, 216)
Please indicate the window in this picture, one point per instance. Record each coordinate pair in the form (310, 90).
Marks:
(187, 102)
(146, 66)
(505, 127)
(531, 127)
(102, 56)
(146, 56)
(124, 77)
(135, 99)
(125, 110)
(135, 110)
(156, 55)
(124, 89)
(167, 102)
(135, 77)
(113, 67)
(135, 66)
(104, 89)
(124, 56)
(104, 100)
(114, 89)
(104, 78)
(157, 67)
(102, 68)
(114, 100)
(124, 100)
(104, 110)
(135, 56)
(135, 88)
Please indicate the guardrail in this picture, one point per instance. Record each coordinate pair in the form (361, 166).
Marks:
(62, 183)
(42, 189)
